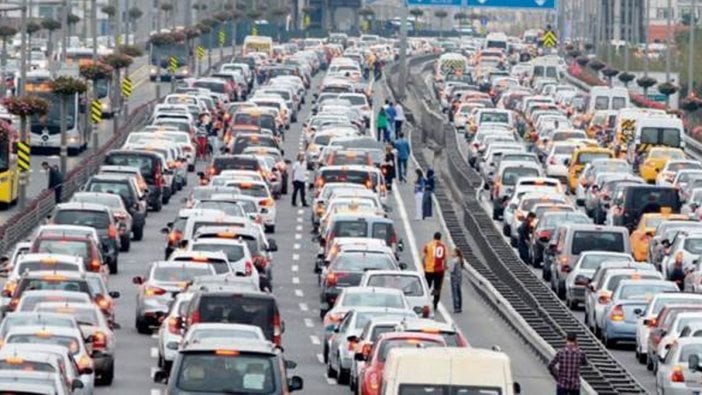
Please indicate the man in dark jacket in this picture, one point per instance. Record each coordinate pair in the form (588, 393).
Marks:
(524, 233)
(55, 180)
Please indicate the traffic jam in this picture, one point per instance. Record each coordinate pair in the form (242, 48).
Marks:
(206, 299)
(599, 196)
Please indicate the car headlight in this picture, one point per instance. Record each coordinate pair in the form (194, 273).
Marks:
(154, 70)
(104, 106)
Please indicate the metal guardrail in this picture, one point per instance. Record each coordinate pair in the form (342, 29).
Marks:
(693, 146)
(519, 287)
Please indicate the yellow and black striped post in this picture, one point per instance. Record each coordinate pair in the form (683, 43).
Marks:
(222, 37)
(173, 64)
(24, 162)
(550, 39)
(200, 52)
(127, 87)
(96, 111)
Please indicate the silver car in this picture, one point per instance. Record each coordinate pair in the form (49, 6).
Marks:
(679, 371)
(578, 278)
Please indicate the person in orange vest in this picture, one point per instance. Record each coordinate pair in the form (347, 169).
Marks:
(434, 262)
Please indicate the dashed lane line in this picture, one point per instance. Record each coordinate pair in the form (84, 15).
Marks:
(315, 340)
(299, 293)
(295, 268)
(295, 257)
(304, 307)
(154, 352)
(309, 323)
(296, 246)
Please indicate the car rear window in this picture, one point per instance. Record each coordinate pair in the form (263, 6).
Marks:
(388, 345)
(26, 365)
(359, 262)
(33, 266)
(69, 342)
(239, 373)
(231, 163)
(350, 176)
(511, 175)
(587, 157)
(379, 330)
(243, 142)
(409, 285)
(613, 283)
(597, 240)
(234, 252)
(29, 302)
(64, 247)
(145, 163)
(638, 291)
(181, 273)
(239, 309)
(373, 299)
(254, 190)
(118, 187)
(351, 228)
(82, 315)
(94, 219)
(37, 284)
(650, 199)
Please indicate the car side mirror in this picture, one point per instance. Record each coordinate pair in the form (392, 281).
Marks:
(114, 294)
(76, 384)
(517, 388)
(272, 245)
(165, 230)
(693, 362)
(160, 376)
(87, 371)
(638, 311)
(295, 383)
(138, 280)
(566, 162)
(403, 266)
(401, 245)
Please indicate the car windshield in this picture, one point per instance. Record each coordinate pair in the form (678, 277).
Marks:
(227, 374)
(597, 240)
(363, 262)
(45, 338)
(95, 219)
(693, 245)
(388, 345)
(372, 299)
(181, 273)
(64, 247)
(234, 252)
(409, 285)
(29, 302)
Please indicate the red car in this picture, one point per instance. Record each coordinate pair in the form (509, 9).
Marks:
(370, 379)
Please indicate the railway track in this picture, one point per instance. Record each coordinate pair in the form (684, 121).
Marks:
(537, 305)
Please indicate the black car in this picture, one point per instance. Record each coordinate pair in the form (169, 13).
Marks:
(127, 190)
(632, 201)
(150, 166)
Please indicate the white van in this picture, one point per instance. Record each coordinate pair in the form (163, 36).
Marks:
(496, 40)
(606, 98)
(447, 370)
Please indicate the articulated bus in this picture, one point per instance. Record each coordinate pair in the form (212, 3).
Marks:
(46, 130)
(103, 87)
(9, 173)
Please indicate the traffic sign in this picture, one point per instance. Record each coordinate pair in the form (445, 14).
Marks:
(528, 4)
(23, 159)
(550, 39)
(96, 111)
(222, 37)
(254, 31)
(484, 20)
(172, 64)
(441, 3)
(127, 87)
(200, 52)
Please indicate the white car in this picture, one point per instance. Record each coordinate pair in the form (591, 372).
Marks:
(170, 332)
(411, 283)
(555, 159)
(266, 204)
(667, 174)
(581, 274)
(209, 330)
(679, 322)
(236, 251)
(676, 374)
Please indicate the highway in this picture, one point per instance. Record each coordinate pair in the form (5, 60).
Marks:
(297, 293)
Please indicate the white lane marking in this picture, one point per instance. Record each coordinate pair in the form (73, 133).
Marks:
(298, 228)
(315, 340)
(413, 247)
(331, 381)
(155, 392)
(299, 293)
(299, 219)
(154, 335)
(320, 358)
(296, 280)
(296, 246)
(295, 257)
(303, 307)
(298, 236)
(309, 324)
(154, 352)
(300, 211)
(154, 369)
(295, 268)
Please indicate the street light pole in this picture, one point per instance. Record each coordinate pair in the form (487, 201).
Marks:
(690, 55)
(668, 40)
(91, 130)
(24, 176)
(64, 29)
(403, 53)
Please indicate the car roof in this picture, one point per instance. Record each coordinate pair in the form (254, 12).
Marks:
(81, 206)
(33, 329)
(245, 345)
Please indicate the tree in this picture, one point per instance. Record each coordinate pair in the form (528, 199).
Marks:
(167, 9)
(73, 20)
(109, 10)
(460, 17)
(441, 14)
(687, 18)
(416, 13)
(51, 25)
(6, 33)
(135, 13)
(254, 15)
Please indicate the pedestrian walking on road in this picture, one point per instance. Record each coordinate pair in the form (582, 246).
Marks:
(429, 186)
(524, 236)
(388, 166)
(299, 175)
(565, 366)
(55, 180)
(381, 125)
(403, 153)
(419, 185)
(456, 274)
(434, 262)
(391, 113)
(399, 118)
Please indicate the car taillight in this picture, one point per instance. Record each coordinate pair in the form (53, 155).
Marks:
(119, 216)
(99, 340)
(552, 161)
(676, 375)
(652, 323)
(603, 299)
(103, 303)
(393, 238)
(84, 362)
(154, 291)
(9, 288)
(544, 234)
(95, 265)
(331, 279)
(174, 237)
(13, 304)
(112, 232)
(374, 381)
(277, 329)
(617, 313)
(174, 325)
(644, 238)
(195, 317)
(266, 203)
(248, 268)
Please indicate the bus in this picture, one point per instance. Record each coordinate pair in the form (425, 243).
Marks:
(45, 130)
(257, 44)
(9, 173)
(160, 56)
(103, 87)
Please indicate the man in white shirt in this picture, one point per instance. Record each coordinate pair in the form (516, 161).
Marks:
(299, 176)
(399, 118)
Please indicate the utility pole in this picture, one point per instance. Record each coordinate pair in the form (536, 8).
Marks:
(64, 29)
(668, 40)
(85, 22)
(158, 58)
(93, 28)
(627, 32)
(403, 53)
(648, 36)
(115, 80)
(24, 176)
(690, 55)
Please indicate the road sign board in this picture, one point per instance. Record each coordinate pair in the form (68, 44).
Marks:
(172, 64)
(96, 111)
(127, 87)
(23, 159)
(484, 20)
(528, 4)
(222, 37)
(200, 52)
(254, 31)
(441, 3)
(550, 39)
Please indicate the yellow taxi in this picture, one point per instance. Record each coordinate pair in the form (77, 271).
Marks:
(580, 158)
(643, 233)
(656, 159)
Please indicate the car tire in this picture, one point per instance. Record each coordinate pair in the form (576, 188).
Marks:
(165, 198)
(158, 206)
(495, 214)
(138, 233)
(571, 304)
(331, 373)
(125, 243)
(641, 357)
(142, 327)
(560, 290)
(325, 353)
(342, 378)
(191, 168)
(512, 241)
(113, 266)
(649, 362)
(609, 343)
(506, 231)
(546, 273)
(269, 228)
(108, 375)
